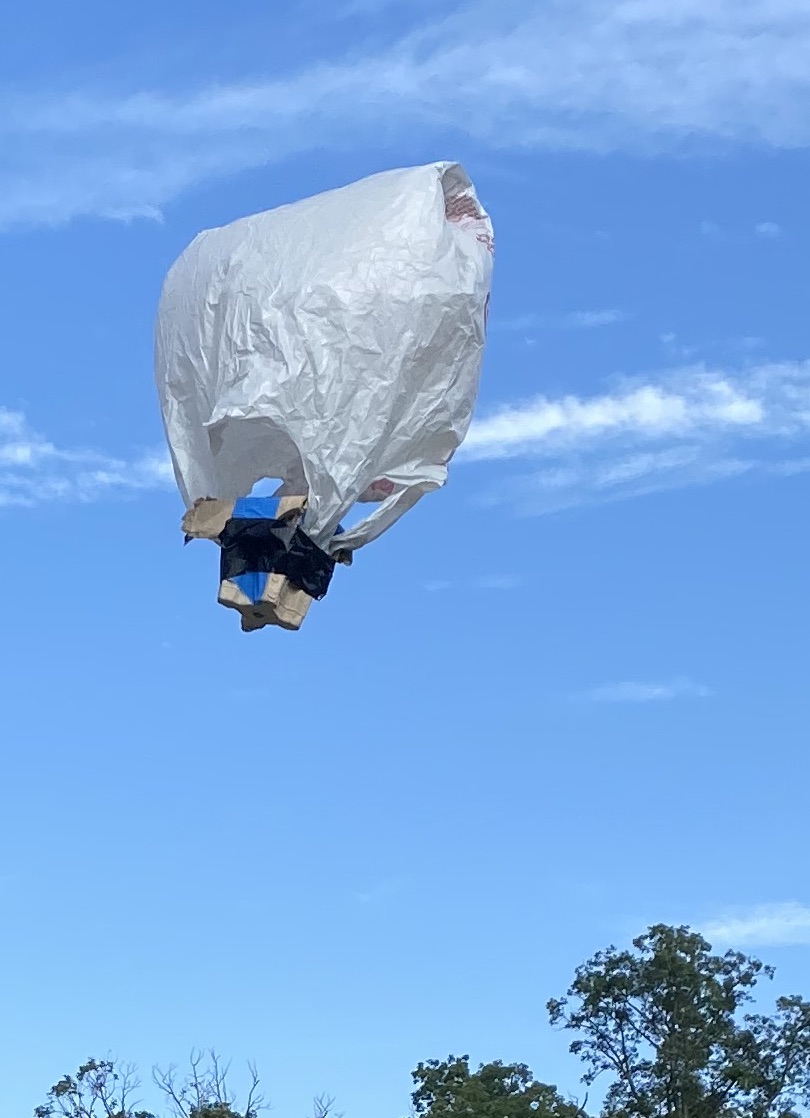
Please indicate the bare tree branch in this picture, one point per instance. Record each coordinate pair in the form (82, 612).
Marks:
(255, 1101)
(204, 1089)
(323, 1107)
(166, 1082)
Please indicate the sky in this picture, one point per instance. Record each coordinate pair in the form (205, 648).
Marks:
(561, 700)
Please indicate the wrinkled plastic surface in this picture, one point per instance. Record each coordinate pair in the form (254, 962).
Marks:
(334, 344)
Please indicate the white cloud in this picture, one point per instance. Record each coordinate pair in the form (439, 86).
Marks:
(497, 582)
(519, 324)
(33, 470)
(357, 8)
(684, 403)
(768, 229)
(575, 320)
(629, 692)
(771, 925)
(595, 75)
(688, 426)
(385, 890)
(683, 427)
(675, 348)
(592, 320)
(484, 582)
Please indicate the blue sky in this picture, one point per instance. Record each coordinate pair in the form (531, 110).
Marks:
(562, 699)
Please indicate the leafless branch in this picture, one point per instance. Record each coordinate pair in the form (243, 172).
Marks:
(205, 1086)
(581, 1108)
(255, 1101)
(166, 1082)
(195, 1060)
(323, 1107)
(218, 1087)
(129, 1082)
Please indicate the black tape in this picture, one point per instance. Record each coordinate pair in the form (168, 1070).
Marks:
(275, 547)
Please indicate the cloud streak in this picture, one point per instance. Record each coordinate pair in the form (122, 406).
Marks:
(768, 229)
(771, 925)
(682, 427)
(629, 692)
(386, 890)
(575, 320)
(485, 583)
(34, 471)
(585, 75)
(593, 320)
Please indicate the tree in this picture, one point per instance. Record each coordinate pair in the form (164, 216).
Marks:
(448, 1089)
(98, 1090)
(203, 1091)
(665, 1023)
(103, 1089)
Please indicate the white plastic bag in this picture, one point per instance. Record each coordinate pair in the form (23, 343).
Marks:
(334, 344)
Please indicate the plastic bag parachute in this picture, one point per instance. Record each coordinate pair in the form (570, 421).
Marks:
(333, 345)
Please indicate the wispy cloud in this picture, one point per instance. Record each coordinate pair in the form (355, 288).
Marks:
(593, 320)
(717, 351)
(383, 891)
(687, 426)
(34, 470)
(519, 324)
(595, 75)
(484, 582)
(683, 427)
(629, 692)
(497, 582)
(768, 229)
(349, 9)
(771, 925)
(680, 404)
(575, 320)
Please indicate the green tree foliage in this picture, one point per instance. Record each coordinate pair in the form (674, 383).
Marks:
(666, 1022)
(449, 1089)
(671, 1025)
